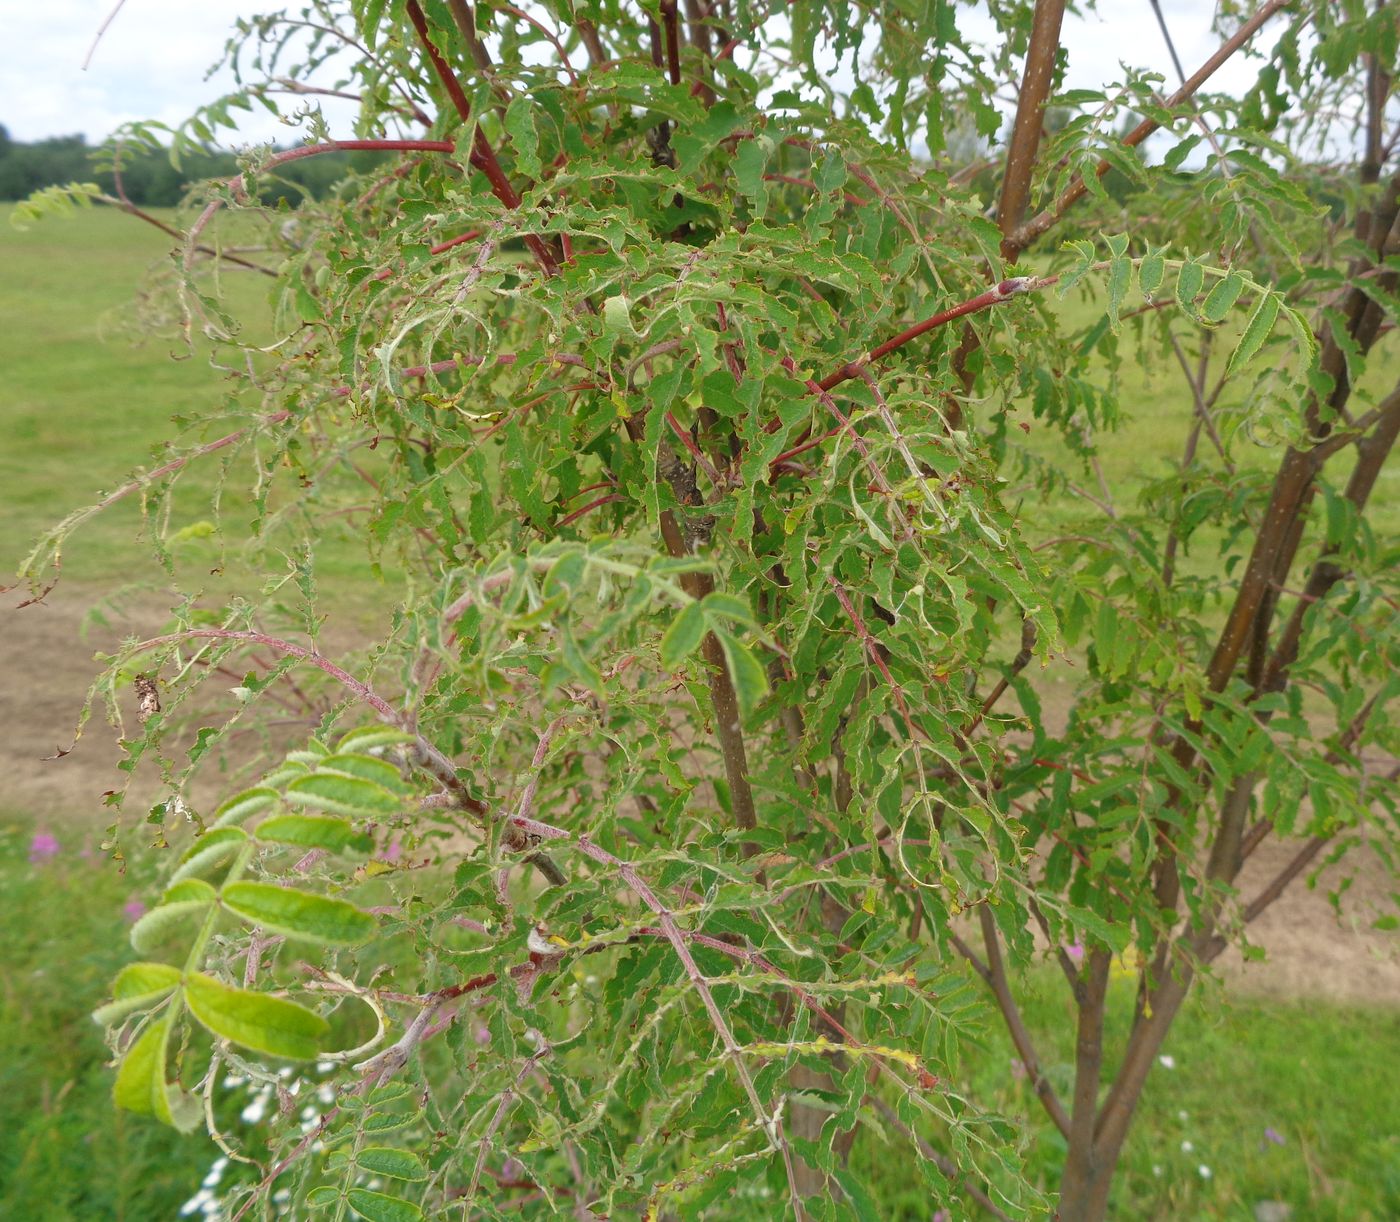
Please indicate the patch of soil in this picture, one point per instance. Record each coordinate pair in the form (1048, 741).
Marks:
(46, 666)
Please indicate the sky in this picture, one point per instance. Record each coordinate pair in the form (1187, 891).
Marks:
(152, 61)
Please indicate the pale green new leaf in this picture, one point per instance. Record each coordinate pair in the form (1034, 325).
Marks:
(343, 795)
(327, 832)
(184, 902)
(299, 914)
(254, 1020)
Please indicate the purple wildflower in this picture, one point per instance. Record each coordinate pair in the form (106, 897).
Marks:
(43, 847)
(134, 909)
(1018, 1068)
(1075, 950)
(1272, 1135)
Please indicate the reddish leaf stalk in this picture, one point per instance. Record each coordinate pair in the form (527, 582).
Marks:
(470, 236)
(997, 295)
(670, 24)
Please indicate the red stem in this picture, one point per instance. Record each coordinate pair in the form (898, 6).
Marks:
(470, 236)
(483, 156)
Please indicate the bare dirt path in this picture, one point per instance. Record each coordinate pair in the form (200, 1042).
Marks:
(46, 667)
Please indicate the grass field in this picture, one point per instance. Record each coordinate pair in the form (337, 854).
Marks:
(1310, 1117)
(83, 400)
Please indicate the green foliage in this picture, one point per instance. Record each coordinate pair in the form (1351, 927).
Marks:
(685, 406)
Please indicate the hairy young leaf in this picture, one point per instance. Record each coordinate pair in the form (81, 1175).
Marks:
(254, 1020)
(298, 914)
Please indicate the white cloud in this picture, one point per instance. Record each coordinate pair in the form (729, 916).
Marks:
(152, 61)
(150, 64)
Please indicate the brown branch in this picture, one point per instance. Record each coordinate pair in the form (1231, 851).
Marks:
(997, 295)
(993, 971)
(1081, 1162)
(1038, 224)
(1373, 450)
(1037, 78)
(483, 156)
(465, 21)
(670, 25)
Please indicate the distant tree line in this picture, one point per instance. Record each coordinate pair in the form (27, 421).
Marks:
(148, 177)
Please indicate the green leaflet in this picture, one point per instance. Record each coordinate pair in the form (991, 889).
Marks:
(720, 606)
(367, 767)
(141, 1087)
(254, 1020)
(1221, 299)
(142, 1070)
(1188, 285)
(750, 162)
(750, 681)
(366, 738)
(315, 832)
(343, 795)
(684, 635)
(377, 1207)
(1257, 330)
(244, 806)
(216, 847)
(299, 914)
(525, 140)
(184, 902)
(138, 986)
(1120, 277)
(396, 1163)
(1151, 272)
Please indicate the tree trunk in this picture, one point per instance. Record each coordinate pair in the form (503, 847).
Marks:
(1084, 1189)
